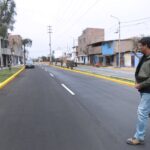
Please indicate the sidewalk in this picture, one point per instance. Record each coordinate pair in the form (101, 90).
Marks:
(123, 72)
(2, 68)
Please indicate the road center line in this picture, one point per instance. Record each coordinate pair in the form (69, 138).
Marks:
(68, 89)
(51, 75)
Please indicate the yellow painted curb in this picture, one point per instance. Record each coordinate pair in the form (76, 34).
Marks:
(98, 76)
(4, 83)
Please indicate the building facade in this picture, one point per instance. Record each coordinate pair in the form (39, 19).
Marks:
(89, 35)
(11, 50)
(110, 55)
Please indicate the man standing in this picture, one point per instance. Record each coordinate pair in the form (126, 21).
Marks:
(142, 76)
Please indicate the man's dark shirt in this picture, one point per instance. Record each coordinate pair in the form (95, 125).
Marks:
(139, 79)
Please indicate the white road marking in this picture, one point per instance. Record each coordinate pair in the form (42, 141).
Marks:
(72, 93)
(51, 75)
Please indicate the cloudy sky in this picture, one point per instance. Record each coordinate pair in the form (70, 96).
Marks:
(69, 18)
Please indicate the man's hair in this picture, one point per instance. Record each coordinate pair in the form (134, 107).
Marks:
(145, 41)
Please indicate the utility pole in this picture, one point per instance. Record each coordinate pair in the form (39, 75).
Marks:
(50, 56)
(119, 44)
(119, 64)
(73, 42)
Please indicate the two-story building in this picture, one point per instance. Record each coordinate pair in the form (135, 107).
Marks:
(11, 50)
(108, 53)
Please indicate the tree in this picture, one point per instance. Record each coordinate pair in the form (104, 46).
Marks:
(7, 13)
(44, 58)
(26, 43)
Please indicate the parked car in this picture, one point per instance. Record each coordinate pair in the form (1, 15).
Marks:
(29, 64)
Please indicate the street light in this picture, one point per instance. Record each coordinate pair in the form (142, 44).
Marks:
(118, 38)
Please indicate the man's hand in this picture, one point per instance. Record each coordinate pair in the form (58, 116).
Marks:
(137, 86)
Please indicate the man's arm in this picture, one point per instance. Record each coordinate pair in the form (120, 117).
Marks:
(143, 84)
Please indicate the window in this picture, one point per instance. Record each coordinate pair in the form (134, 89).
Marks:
(4, 43)
(109, 45)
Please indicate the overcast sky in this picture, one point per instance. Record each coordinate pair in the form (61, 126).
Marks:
(69, 18)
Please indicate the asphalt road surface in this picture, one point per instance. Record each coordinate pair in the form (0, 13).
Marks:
(50, 109)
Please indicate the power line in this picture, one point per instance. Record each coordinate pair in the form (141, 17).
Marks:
(64, 12)
(131, 24)
(78, 11)
(136, 20)
(138, 23)
(81, 15)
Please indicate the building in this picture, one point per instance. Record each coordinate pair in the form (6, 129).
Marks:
(106, 53)
(11, 50)
(89, 35)
(4, 52)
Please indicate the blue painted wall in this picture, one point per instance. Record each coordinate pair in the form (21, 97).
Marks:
(108, 48)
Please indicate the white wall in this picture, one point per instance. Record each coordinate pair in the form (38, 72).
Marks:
(127, 60)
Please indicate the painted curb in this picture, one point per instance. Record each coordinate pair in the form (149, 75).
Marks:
(4, 83)
(120, 81)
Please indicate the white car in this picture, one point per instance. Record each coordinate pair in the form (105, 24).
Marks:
(29, 64)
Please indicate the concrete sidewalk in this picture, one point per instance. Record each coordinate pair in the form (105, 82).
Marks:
(2, 68)
(124, 73)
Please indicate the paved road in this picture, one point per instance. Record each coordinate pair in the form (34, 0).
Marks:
(50, 109)
(127, 73)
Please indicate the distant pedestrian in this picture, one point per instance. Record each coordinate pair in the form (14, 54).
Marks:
(55, 62)
(142, 76)
(9, 64)
(61, 63)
